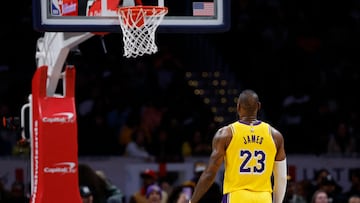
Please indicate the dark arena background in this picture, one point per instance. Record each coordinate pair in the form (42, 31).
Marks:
(301, 57)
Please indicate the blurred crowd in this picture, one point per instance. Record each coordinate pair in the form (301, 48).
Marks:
(166, 187)
(323, 188)
(300, 57)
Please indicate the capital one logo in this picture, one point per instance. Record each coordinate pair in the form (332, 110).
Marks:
(62, 117)
(62, 167)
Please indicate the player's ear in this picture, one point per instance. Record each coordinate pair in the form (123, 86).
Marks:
(259, 106)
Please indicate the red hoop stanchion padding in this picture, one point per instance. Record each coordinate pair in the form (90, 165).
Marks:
(138, 25)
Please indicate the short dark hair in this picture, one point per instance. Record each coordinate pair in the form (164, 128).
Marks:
(248, 99)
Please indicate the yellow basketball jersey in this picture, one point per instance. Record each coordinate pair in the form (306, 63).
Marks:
(249, 158)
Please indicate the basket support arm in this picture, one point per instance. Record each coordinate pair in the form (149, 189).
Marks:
(52, 50)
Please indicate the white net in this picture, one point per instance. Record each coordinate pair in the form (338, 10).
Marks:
(138, 25)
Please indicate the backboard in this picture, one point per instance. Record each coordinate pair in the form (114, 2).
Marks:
(77, 16)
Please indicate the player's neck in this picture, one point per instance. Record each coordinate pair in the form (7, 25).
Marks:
(248, 119)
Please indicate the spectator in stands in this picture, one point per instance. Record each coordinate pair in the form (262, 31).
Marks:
(341, 141)
(4, 193)
(8, 137)
(178, 194)
(166, 182)
(333, 189)
(126, 131)
(165, 145)
(149, 177)
(17, 193)
(86, 194)
(293, 117)
(320, 196)
(295, 192)
(318, 177)
(214, 194)
(102, 190)
(354, 199)
(196, 145)
(113, 193)
(154, 194)
(354, 177)
(150, 118)
(137, 147)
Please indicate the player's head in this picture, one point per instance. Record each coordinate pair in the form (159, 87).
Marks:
(148, 177)
(354, 199)
(248, 103)
(86, 194)
(153, 193)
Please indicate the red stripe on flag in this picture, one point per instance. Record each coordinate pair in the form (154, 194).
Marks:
(203, 9)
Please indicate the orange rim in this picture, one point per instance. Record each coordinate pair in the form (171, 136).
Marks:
(138, 20)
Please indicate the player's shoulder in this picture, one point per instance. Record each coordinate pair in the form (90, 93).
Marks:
(274, 130)
(223, 132)
(224, 129)
(272, 127)
(276, 134)
(223, 135)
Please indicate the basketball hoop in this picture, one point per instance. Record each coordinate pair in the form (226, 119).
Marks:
(138, 25)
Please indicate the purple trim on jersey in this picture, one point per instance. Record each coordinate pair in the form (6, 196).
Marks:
(225, 198)
(257, 122)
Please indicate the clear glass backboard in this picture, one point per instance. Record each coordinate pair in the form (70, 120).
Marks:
(101, 15)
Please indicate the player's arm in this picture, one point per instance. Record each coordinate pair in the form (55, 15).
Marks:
(280, 168)
(207, 178)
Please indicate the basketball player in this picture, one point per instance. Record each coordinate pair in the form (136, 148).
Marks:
(252, 151)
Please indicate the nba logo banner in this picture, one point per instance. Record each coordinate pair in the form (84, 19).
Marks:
(203, 9)
(64, 7)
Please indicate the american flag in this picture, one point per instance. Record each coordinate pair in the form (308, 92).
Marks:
(203, 9)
